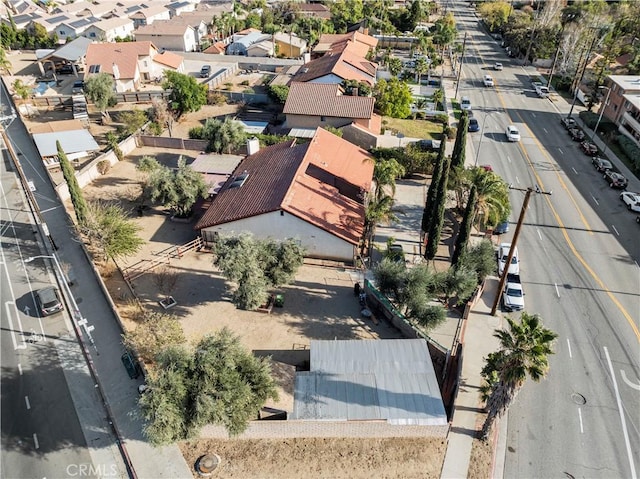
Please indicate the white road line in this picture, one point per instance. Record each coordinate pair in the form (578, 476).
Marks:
(509, 159)
(622, 419)
(35, 441)
(20, 369)
(539, 234)
(517, 180)
(569, 346)
(50, 209)
(560, 150)
(574, 170)
(629, 383)
(533, 114)
(26, 400)
(595, 201)
(614, 229)
(557, 291)
(580, 417)
(545, 130)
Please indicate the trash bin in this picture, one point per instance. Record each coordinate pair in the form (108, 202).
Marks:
(279, 301)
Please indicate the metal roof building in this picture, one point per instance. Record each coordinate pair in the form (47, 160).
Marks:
(378, 380)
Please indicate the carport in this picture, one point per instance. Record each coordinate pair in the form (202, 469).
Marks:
(72, 53)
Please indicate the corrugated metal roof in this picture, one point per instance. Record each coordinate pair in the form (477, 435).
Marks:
(390, 380)
(73, 141)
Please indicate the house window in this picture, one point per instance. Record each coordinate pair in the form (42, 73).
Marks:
(323, 118)
(63, 33)
(92, 35)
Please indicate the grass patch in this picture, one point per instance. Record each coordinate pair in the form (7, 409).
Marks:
(414, 128)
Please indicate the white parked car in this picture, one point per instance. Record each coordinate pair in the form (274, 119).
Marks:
(512, 133)
(465, 103)
(497, 66)
(632, 200)
(503, 256)
(488, 80)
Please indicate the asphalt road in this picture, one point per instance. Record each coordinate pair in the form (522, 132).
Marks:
(579, 265)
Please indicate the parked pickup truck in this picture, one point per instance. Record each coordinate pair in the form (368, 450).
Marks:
(513, 296)
(542, 91)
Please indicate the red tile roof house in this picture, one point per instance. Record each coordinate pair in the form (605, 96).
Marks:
(313, 105)
(312, 192)
(130, 63)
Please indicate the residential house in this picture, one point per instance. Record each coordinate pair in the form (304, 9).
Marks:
(74, 28)
(200, 27)
(130, 63)
(623, 106)
(147, 16)
(49, 22)
(313, 193)
(110, 29)
(336, 66)
(313, 105)
(289, 45)
(314, 10)
(178, 8)
(98, 10)
(23, 20)
(169, 35)
(328, 42)
(242, 42)
(72, 53)
(263, 48)
(218, 48)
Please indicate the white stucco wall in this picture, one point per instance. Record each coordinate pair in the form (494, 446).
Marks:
(317, 242)
(330, 78)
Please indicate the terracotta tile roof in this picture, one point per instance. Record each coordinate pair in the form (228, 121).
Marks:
(322, 99)
(327, 40)
(124, 54)
(169, 59)
(278, 180)
(345, 65)
(217, 47)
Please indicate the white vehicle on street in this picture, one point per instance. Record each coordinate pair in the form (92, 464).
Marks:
(512, 133)
(503, 256)
(542, 91)
(513, 295)
(488, 80)
(632, 200)
(497, 66)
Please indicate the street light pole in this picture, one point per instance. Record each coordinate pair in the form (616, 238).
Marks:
(76, 316)
(514, 241)
(606, 100)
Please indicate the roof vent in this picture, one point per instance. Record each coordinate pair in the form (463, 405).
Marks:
(305, 70)
(239, 180)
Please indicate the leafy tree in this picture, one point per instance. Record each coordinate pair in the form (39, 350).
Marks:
(278, 93)
(154, 333)
(79, 204)
(480, 258)
(495, 14)
(256, 265)
(459, 148)
(177, 190)
(224, 135)
(111, 231)
(100, 90)
(364, 89)
(430, 202)
(393, 98)
(345, 13)
(8, 34)
(435, 227)
(23, 91)
(457, 282)
(333, 130)
(493, 196)
(465, 228)
(217, 382)
(524, 350)
(186, 93)
(132, 121)
(5, 64)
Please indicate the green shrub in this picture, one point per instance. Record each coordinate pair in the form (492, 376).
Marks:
(196, 133)
(442, 118)
(244, 83)
(154, 128)
(451, 132)
(216, 99)
(249, 91)
(631, 150)
(278, 93)
(103, 166)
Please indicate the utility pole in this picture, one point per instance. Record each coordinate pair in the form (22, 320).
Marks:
(464, 44)
(514, 241)
(584, 69)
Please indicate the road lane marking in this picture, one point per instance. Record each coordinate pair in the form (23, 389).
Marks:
(595, 201)
(545, 130)
(517, 180)
(561, 152)
(539, 234)
(26, 400)
(35, 441)
(575, 171)
(557, 291)
(614, 229)
(580, 417)
(626, 380)
(569, 346)
(622, 419)
(20, 369)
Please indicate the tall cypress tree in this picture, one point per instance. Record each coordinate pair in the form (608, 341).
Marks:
(427, 213)
(459, 148)
(465, 228)
(79, 205)
(438, 213)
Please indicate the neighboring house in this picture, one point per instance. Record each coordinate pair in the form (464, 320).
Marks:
(261, 49)
(374, 386)
(316, 10)
(73, 52)
(74, 28)
(169, 35)
(241, 42)
(289, 45)
(76, 141)
(149, 15)
(623, 107)
(178, 8)
(328, 41)
(313, 193)
(98, 10)
(218, 48)
(337, 66)
(130, 63)
(199, 26)
(313, 105)
(110, 29)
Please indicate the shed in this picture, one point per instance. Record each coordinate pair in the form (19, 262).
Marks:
(75, 143)
(389, 380)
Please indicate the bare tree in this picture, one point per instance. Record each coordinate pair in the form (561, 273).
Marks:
(162, 115)
(165, 278)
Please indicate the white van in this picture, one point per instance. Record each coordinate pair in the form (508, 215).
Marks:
(465, 103)
(542, 91)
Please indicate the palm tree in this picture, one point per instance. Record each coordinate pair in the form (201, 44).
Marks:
(438, 97)
(421, 68)
(493, 196)
(5, 64)
(376, 211)
(420, 104)
(385, 173)
(524, 351)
